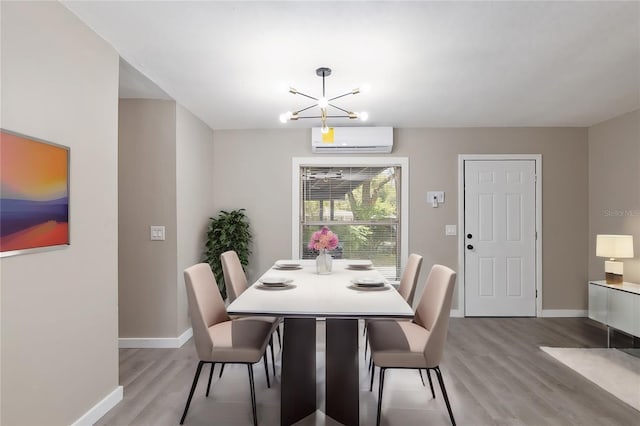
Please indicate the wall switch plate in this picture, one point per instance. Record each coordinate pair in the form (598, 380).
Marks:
(450, 230)
(435, 198)
(157, 233)
(439, 195)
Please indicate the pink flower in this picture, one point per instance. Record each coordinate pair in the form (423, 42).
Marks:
(323, 239)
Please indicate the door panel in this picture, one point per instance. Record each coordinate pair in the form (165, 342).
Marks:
(500, 255)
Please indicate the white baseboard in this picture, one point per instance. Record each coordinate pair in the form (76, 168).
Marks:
(546, 313)
(155, 342)
(184, 337)
(100, 409)
(563, 313)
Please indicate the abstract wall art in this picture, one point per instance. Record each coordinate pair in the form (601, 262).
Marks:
(34, 194)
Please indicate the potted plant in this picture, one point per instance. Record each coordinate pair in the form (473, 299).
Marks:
(227, 231)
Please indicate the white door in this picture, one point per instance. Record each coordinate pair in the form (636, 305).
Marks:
(500, 237)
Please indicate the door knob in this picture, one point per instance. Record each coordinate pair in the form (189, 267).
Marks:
(470, 247)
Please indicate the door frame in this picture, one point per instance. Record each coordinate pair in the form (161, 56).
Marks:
(537, 158)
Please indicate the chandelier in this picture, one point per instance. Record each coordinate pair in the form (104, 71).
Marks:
(324, 103)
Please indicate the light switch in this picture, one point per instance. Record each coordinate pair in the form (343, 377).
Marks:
(435, 197)
(450, 230)
(157, 233)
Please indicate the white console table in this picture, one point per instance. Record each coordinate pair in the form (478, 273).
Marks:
(615, 305)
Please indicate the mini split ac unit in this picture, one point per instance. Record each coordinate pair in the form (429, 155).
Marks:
(352, 140)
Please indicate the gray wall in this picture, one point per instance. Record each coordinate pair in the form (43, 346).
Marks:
(59, 308)
(614, 188)
(165, 179)
(147, 196)
(194, 184)
(252, 169)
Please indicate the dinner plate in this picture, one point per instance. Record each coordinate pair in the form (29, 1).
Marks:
(360, 268)
(287, 268)
(369, 288)
(360, 264)
(285, 286)
(275, 281)
(287, 264)
(368, 282)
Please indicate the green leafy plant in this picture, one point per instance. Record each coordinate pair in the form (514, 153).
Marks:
(227, 231)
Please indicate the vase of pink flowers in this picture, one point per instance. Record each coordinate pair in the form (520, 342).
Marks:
(322, 241)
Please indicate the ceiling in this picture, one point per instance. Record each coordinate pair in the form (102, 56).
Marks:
(429, 64)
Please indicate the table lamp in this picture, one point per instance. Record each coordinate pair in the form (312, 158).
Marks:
(614, 247)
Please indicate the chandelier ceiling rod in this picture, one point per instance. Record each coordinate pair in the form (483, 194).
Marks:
(323, 103)
(325, 72)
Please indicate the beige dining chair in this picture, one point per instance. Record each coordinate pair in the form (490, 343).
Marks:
(417, 344)
(217, 338)
(236, 282)
(406, 288)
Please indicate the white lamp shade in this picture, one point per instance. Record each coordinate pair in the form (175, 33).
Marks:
(614, 246)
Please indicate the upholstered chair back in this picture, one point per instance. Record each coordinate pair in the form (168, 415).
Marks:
(206, 307)
(409, 278)
(234, 276)
(434, 309)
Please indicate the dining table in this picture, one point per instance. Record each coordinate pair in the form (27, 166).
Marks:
(293, 290)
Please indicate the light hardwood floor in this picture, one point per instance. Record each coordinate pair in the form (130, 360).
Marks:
(493, 368)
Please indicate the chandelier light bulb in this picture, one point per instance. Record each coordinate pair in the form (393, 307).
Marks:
(365, 87)
(322, 102)
(324, 129)
(286, 116)
(364, 116)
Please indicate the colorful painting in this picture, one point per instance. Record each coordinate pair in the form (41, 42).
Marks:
(34, 194)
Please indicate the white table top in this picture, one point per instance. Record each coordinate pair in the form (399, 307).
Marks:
(625, 286)
(321, 296)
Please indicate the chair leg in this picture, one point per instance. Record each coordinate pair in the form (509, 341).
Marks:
(433, 394)
(366, 347)
(221, 371)
(421, 378)
(444, 394)
(370, 363)
(213, 365)
(373, 373)
(381, 386)
(279, 339)
(266, 368)
(366, 341)
(273, 360)
(253, 395)
(193, 388)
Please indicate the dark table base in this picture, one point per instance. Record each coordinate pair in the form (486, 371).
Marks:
(298, 397)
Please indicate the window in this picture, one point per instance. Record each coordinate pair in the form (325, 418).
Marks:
(361, 203)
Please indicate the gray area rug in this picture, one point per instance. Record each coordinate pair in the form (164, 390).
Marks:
(613, 370)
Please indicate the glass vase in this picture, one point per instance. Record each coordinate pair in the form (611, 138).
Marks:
(324, 262)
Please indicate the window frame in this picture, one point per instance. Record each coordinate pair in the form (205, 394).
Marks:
(296, 208)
